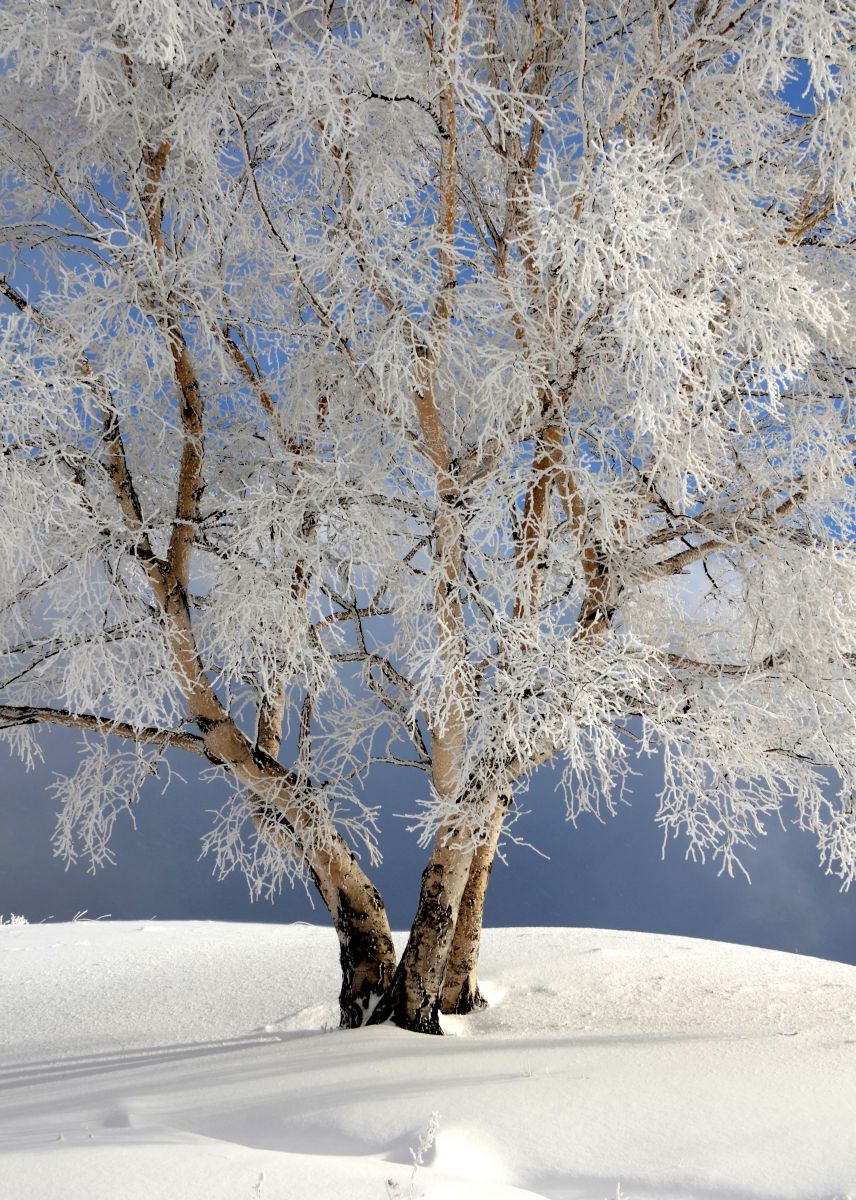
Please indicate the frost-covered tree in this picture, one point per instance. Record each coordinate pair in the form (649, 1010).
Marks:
(451, 383)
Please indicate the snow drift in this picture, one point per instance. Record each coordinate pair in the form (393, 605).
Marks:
(200, 1061)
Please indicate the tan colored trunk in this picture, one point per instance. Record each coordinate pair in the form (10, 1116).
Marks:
(460, 993)
(366, 952)
(413, 1000)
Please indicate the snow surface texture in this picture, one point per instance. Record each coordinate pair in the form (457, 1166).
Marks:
(198, 1061)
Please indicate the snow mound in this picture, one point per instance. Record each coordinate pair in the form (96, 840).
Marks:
(200, 1061)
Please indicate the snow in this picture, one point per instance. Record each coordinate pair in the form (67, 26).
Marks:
(200, 1061)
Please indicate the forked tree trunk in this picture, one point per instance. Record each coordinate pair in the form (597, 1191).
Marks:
(413, 1000)
(460, 992)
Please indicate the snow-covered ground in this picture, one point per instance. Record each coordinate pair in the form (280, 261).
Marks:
(198, 1061)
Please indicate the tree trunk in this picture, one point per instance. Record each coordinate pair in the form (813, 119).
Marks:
(413, 1000)
(460, 993)
(366, 952)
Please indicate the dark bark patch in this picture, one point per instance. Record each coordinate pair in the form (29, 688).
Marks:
(366, 956)
(467, 1001)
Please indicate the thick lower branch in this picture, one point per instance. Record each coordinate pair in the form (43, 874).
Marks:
(15, 714)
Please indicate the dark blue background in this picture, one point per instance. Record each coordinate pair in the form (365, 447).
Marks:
(608, 875)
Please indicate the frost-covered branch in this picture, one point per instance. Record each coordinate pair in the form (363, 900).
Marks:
(20, 714)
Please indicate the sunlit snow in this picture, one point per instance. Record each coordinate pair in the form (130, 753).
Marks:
(200, 1061)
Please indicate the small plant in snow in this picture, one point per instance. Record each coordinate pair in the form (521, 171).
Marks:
(417, 1153)
(426, 1141)
(14, 919)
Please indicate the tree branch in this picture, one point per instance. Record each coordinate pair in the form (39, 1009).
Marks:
(22, 714)
(117, 462)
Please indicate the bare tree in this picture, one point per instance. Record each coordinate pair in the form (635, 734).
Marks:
(457, 385)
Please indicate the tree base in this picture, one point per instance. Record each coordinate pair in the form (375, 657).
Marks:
(392, 1007)
(366, 952)
(466, 1001)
